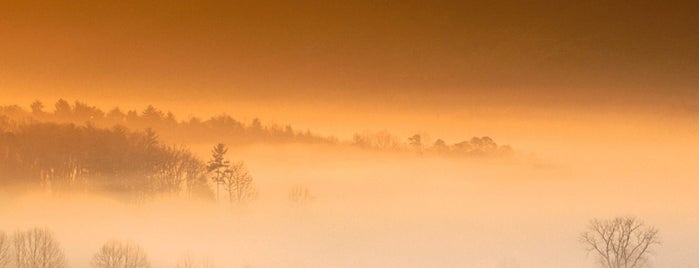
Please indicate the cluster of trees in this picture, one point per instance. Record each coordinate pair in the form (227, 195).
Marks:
(132, 164)
(622, 242)
(33, 248)
(193, 130)
(383, 140)
(233, 177)
(117, 160)
(118, 254)
(38, 248)
(234, 132)
(300, 195)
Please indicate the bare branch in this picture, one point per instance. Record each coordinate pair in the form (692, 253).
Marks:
(620, 242)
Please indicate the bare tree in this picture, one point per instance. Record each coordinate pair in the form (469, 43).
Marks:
(361, 140)
(384, 140)
(238, 183)
(620, 242)
(37, 248)
(189, 261)
(117, 254)
(300, 195)
(4, 250)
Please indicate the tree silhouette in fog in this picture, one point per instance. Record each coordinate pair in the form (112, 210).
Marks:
(239, 184)
(117, 254)
(620, 242)
(63, 109)
(189, 261)
(233, 177)
(474, 147)
(218, 167)
(194, 130)
(37, 108)
(134, 165)
(4, 250)
(233, 132)
(37, 248)
(440, 146)
(83, 112)
(361, 141)
(300, 195)
(415, 141)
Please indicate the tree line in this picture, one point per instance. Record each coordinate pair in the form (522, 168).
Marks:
(475, 146)
(193, 130)
(116, 160)
(130, 164)
(234, 132)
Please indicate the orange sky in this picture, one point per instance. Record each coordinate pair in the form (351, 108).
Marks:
(314, 62)
(593, 96)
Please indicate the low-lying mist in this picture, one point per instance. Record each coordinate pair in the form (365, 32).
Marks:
(381, 209)
(222, 193)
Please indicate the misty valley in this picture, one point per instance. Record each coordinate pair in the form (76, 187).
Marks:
(79, 152)
(85, 188)
(364, 133)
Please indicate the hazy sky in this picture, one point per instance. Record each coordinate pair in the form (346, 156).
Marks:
(572, 85)
(399, 54)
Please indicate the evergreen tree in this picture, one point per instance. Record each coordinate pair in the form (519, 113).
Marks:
(218, 166)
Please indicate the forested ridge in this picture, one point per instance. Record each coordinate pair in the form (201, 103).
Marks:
(134, 164)
(130, 154)
(225, 128)
(192, 130)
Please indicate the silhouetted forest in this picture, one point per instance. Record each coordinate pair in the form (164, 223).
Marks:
(233, 132)
(131, 163)
(193, 130)
(476, 146)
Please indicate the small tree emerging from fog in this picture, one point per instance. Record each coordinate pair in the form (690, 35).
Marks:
(620, 242)
(4, 250)
(415, 141)
(238, 184)
(37, 248)
(300, 195)
(234, 178)
(190, 262)
(116, 254)
(218, 167)
(37, 108)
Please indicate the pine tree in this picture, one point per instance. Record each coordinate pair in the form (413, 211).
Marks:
(218, 166)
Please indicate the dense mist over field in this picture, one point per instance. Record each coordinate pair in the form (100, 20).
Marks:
(339, 205)
(380, 210)
(380, 133)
